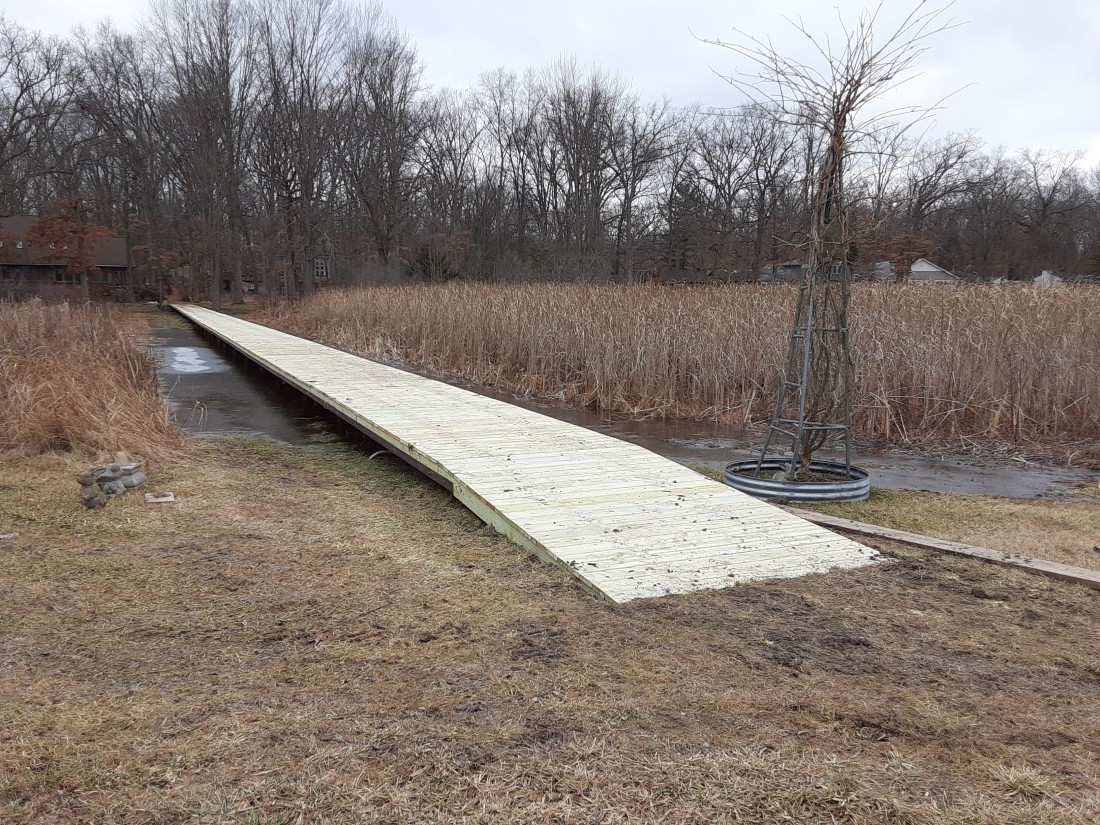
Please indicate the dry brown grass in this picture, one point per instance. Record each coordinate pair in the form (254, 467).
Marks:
(963, 365)
(76, 378)
(237, 659)
(1065, 531)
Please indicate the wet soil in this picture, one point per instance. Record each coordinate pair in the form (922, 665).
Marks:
(214, 392)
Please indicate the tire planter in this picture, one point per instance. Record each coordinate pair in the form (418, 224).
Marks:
(847, 486)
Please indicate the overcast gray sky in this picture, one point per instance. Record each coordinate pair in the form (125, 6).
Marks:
(1030, 68)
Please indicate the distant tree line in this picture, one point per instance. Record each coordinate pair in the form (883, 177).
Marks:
(289, 142)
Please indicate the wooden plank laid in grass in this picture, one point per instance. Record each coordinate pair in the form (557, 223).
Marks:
(1040, 567)
(624, 521)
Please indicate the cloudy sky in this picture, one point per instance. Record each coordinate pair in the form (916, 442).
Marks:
(1024, 72)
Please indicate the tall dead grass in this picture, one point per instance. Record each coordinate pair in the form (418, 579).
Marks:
(932, 364)
(75, 378)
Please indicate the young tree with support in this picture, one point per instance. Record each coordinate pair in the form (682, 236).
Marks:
(829, 100)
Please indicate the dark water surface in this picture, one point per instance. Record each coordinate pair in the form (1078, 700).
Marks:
(214, 391)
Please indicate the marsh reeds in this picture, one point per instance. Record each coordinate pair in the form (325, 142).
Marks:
(77, 379)
(971, 364)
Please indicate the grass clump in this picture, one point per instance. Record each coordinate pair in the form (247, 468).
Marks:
(77, 379)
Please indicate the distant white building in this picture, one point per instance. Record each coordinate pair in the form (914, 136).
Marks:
(923, 271)
(885, 271)
(1048, 278)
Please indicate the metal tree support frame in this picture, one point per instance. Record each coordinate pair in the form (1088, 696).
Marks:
(827, 101)
(815, 318)
(816, 387)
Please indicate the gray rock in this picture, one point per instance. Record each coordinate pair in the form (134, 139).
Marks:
(92, 497)
(114, 487)
(133, 479)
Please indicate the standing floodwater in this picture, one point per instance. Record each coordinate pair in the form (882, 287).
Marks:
(211, 394)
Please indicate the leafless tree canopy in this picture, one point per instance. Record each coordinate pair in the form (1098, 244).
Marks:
(291, 143)
(828, 99)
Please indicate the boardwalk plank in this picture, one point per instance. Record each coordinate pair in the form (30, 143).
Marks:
(625, 522)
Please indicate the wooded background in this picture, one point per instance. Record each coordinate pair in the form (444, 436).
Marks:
(292, 142)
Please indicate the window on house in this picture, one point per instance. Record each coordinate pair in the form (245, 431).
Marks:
(19, 245)
(320, 269)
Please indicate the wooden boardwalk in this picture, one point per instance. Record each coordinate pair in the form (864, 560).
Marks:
(626, 522)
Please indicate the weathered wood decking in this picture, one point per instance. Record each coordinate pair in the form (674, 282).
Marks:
(625, 521)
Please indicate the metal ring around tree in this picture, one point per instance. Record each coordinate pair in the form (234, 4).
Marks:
(841, 484)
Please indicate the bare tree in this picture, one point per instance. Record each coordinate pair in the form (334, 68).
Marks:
(118, 91)
(722, 174)
(302, 50)
(35, 95)
(453, 128)
(579, 111)
(1053, 192)
(381, 129)
(207, 47)
(771, 147)
(937, 174)
(831, 101)
(641, 139)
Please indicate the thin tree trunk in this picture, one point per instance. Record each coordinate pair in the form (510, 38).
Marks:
(216, 279)
(129, 258)
(238, 275)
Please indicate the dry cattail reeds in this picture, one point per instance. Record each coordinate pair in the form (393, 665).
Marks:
(931, 364)
(75, 378)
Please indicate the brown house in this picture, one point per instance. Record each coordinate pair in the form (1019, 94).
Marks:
(31, 267)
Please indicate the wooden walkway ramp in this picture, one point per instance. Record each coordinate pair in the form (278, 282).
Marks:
(626, 522)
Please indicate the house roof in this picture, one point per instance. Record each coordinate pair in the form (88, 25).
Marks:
(923, 266)
(106, 252)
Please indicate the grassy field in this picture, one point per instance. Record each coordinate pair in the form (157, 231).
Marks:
(958, 366)
(233, 658)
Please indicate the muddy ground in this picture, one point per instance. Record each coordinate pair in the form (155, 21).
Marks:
(310, 637)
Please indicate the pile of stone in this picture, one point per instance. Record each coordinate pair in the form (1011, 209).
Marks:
(105, 481)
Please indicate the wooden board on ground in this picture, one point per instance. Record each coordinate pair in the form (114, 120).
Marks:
(626, 522)
(1040, 567)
